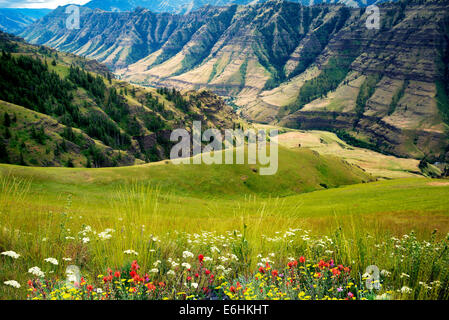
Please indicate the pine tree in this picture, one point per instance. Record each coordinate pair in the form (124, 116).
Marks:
(70, 163)
(4, 158)
(21, 160)
(7, 133)
(7, 121)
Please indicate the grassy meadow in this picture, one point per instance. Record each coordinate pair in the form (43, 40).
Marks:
(241, 221)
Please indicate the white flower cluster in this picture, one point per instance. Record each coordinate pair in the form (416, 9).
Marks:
(52, 261)
(129, 251)
(106, 234)
(12, 283)
(187, 254)
(11, 254)
(406, 290)
(37, 272)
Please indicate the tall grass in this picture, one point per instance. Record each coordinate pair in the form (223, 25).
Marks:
(141, 217)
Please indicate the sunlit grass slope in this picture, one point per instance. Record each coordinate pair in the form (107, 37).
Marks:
(43, 212)
(299, 171)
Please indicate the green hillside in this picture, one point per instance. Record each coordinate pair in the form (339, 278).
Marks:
(299, 171)
(57, 109)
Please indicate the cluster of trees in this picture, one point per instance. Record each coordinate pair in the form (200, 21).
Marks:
(95, 86)
(28, 82)
(38, 135)
(153, 103)
(348, 138)
(397, 96)
(365, 92)
(174, 96)
(329, 79)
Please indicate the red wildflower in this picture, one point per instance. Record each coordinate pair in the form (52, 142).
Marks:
(150, 286)
(232, 289)
(336, 272)
(261, 270)
(200, 258)
(207, 272)
(323, 264)
(90, 288)
(189, 278)
(117, 274)
(302, 259)
(196, 275)
(134, 265)
(275, 273)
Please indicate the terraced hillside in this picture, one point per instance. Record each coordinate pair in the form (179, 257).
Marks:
(315, 67)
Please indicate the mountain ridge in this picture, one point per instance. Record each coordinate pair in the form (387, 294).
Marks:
(279, 60)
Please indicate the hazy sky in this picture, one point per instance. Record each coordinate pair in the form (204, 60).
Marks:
(38, 3)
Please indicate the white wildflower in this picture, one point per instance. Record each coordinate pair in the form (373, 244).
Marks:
(11, 254)
(405, 289)
(385, 273)
(129, 251)
(52, 261)
(158, 262)
(12, 283)
(215, 249)
(220, 267)
(104, 235)
(36, 271)
(187, 254)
